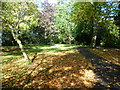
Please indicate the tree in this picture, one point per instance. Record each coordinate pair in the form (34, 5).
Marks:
(117, 18)
(63, 24)
(95, 23)
(18, 17)
(45, 29)
(89, 16)
(110, 35)
(86, 14)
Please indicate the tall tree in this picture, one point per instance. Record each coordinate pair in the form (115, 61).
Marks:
(88, 13)
(18, 17)
(46, 21)
(63, 22)
(90, 16)
(95, 23)
(117, 18)
(109, 34)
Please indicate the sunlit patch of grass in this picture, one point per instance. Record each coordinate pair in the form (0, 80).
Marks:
(60, 46)
(55, 48)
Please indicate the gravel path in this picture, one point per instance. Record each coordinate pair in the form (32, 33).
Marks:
(108, 72)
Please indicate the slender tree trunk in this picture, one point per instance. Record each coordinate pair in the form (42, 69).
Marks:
(70, 40)
(0, 37)
(95, 25)
(21, 46)
(94, 37)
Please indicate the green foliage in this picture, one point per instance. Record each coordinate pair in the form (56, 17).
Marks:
(18, 15)
(95, 16)
(111, 35)
(63, 24)
(19, 18)
(46, 32)
(66, 22)
(7, 38)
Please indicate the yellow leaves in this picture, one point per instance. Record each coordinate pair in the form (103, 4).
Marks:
(89, 74)
(111, 55)
(51, 70)
(27, 18)
(68, 71)
(72, 84)
(23, 26)
(59, 69)
(87, 84)
(6, 76)
(67, 68)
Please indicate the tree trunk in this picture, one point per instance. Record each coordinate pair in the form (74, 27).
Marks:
(70, 40)
(94, 37)
(95, 25)
(21, 46)
(0, 37)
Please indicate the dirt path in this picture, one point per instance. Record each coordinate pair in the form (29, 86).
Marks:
(107, 71)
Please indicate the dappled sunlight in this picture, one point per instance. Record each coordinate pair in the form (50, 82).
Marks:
(106, 69)
(58, 69)
(59, 46)
(65, 73)
(89, 74)
(89, 78)
(55, 46)
(63, 70)
(15, 51)
(55, 53)
(110, 54)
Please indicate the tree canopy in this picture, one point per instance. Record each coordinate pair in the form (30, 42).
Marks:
(86, 23)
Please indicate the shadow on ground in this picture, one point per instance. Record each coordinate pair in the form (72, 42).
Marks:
(62, 71)
(69, 70)
(105, 70)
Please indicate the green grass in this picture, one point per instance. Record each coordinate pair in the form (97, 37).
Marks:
(55, 48)
(14, 53)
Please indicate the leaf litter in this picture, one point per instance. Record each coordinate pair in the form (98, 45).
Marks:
(66, 69)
